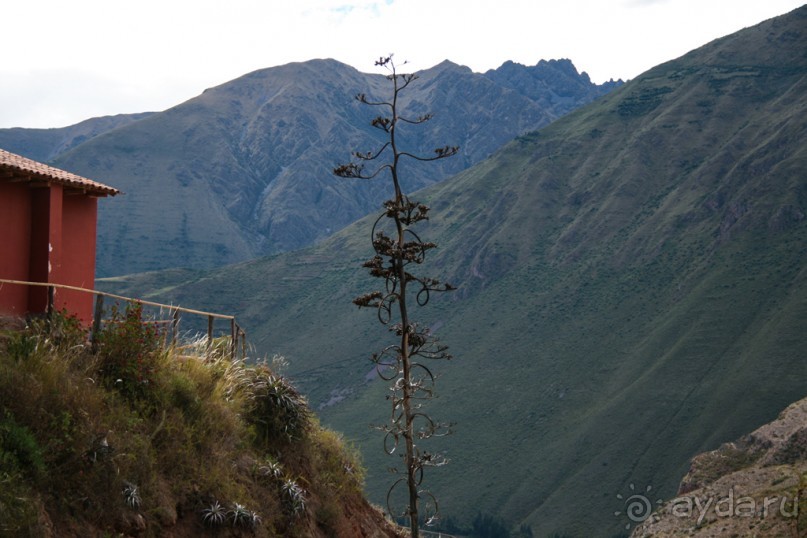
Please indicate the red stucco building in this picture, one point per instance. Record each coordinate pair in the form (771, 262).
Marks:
(48, 223)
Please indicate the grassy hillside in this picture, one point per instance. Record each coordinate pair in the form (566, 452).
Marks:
(135, 438)
(633, 290)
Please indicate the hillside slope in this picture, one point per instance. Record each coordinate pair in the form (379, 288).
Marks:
(753, 486)
(47, 144)
(129, 437)
(632, 291)
(244, 169)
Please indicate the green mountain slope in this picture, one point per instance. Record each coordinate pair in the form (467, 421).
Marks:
(633, 291)
(244, 169)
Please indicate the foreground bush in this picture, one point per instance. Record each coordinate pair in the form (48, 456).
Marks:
(133, 438)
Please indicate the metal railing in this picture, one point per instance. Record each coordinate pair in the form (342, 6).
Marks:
(237, 334)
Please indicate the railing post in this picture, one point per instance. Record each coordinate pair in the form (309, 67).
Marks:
(234, 339)
(209, 333)
(51, 299)
(96, 321)
(175, 327)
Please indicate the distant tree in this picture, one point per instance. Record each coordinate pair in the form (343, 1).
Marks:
(488, 526)
(397, 249)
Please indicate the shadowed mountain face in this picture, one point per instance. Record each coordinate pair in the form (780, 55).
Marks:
(632, 291)
(245, 168)
(46, 144)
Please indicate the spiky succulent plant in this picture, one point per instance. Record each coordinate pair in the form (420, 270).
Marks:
(214, 515)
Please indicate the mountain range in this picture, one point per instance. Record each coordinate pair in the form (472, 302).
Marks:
(245, 168)
(632, 290)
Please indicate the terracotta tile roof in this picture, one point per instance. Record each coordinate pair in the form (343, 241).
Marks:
(20, 167)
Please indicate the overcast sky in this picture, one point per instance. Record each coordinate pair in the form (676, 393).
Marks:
(69, 60)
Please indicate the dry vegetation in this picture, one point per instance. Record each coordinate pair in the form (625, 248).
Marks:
(137, 438)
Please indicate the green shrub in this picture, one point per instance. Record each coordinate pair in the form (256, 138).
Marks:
(19, 449)
(64, 329)
(129, 351)
(20, 345)
(61, 331)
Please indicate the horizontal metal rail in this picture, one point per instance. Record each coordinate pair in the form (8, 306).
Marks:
(236, 332)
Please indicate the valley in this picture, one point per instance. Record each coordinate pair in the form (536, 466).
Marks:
(631, 261)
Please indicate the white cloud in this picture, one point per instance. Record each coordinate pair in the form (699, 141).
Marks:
(644, 3)
(91, 57)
